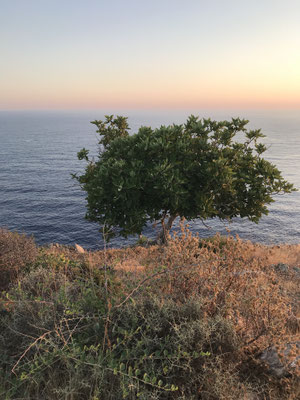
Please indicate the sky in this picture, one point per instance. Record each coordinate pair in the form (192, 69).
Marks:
(139, 54)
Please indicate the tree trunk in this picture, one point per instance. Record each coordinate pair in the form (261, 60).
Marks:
(166, 227)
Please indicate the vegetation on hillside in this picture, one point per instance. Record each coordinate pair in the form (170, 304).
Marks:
(188, 320)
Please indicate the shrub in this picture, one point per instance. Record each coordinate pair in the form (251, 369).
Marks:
(16, 252)
(194, 170)
(148, 349)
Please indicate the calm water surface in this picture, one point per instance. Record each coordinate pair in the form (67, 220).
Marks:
(39, 197)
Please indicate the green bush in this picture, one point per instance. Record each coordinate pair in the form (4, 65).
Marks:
(194, 170)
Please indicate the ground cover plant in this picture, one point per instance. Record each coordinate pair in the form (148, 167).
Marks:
(188, 320)
(200, 169)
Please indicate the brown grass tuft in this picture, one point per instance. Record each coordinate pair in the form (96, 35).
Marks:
(16, 251)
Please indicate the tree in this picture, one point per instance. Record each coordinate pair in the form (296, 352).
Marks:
(195, 170)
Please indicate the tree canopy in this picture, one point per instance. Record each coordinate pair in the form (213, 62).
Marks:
(200, 169)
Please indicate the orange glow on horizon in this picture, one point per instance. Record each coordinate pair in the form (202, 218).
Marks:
(159, 91)
(153, 101)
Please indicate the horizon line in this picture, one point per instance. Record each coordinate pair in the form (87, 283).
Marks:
(155, 108)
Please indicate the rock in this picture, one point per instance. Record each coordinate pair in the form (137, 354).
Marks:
(285, 366)
(79, 249)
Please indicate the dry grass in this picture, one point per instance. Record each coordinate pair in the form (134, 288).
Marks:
(232, 274)
(16, 251)
(234, 279)
(227, 271)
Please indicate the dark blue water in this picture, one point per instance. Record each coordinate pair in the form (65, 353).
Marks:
(38, 154)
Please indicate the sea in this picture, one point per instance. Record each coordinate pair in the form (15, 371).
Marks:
(38, 154)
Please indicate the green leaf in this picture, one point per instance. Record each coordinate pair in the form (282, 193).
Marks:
(122, 367)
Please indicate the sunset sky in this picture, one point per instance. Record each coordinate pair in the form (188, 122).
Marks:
(80, 54)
